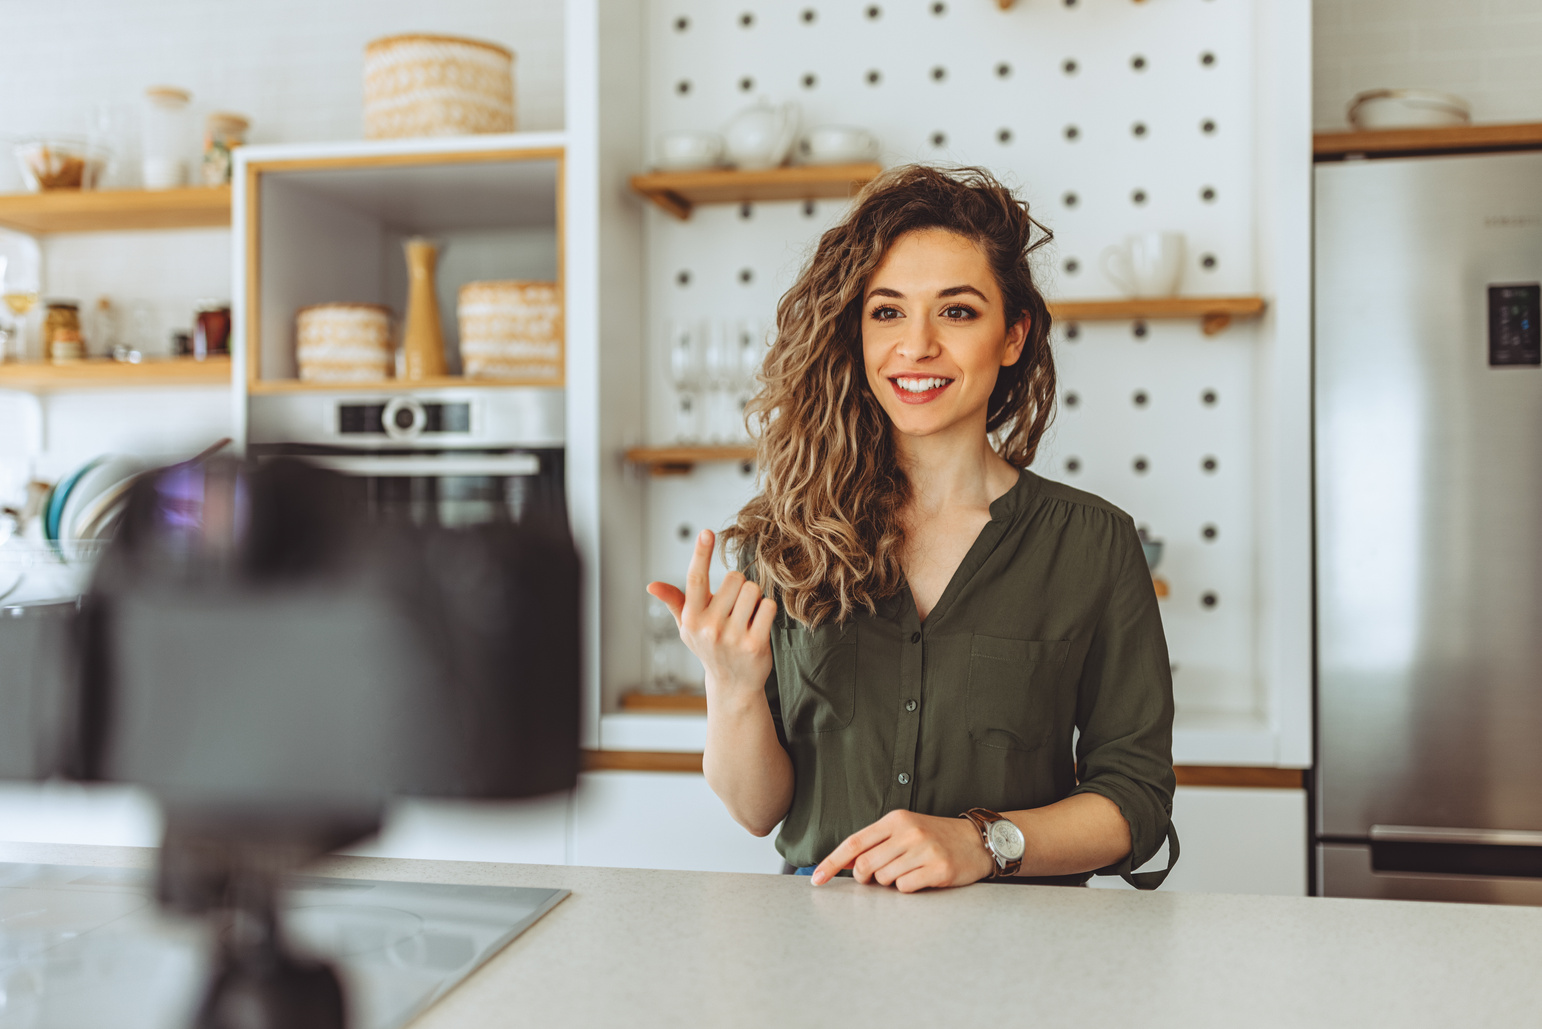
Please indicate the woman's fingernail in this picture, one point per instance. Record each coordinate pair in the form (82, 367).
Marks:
(701, 537)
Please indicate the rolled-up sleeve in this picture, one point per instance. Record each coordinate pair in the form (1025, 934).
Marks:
(1124, 711)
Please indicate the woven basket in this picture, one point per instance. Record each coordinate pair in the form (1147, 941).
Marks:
(511, 330)
(436, 86)
(344, 343)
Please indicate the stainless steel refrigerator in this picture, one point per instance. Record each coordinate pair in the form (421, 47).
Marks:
(1428, 471)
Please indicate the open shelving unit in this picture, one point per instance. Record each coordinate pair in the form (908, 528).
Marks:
(45, 377)
(679, 460)
(1456, 139)
(679, 192)
(1214, 313)
(70, 210)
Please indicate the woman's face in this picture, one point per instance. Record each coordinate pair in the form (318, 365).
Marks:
(934, 334)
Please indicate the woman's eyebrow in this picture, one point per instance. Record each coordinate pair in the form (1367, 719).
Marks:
(951, 291)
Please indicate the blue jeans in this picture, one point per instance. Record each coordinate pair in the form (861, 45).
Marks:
(807, 870)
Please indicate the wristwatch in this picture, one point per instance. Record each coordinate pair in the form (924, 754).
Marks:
(1002, 838)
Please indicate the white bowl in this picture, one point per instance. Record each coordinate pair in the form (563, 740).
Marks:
(689, 151)
(838, 144)
(1407, 109)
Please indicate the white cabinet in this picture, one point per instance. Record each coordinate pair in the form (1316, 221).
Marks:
(524, 831)
(1235, 840)
(662, 820)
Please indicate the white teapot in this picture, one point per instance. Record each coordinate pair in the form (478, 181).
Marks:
(761, 136)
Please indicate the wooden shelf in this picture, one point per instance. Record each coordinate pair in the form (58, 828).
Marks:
(115, 210)
(1214, 313)
(392, 385)
(690, 703)
(1457, 139)
(679, 192)
(43, 377)
(680, 460)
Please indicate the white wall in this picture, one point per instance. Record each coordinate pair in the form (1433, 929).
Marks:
(1487, 51)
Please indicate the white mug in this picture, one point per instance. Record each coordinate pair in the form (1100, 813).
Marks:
(1147, 264)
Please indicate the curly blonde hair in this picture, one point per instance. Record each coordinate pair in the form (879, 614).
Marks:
(824, 534)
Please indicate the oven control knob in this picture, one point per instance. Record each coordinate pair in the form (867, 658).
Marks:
(403, 418)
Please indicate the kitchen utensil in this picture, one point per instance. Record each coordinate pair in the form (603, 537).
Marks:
(426, 85)
(689, 151)
(59, 163)
(838, 144)
(1407, 109)
(423, 337)
(168, 137)
(761, 137)
(344, 343)
(511, 329)
(1147, 264)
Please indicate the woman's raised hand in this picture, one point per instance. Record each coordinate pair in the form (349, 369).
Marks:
(730, 631)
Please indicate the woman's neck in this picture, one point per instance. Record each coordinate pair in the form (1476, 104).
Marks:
(951, 471)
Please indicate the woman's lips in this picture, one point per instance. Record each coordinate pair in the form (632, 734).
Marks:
(930, 388)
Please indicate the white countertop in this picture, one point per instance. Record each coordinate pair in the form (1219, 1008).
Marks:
(672, 949)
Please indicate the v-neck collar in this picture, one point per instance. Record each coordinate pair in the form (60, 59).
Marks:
(1004, 510)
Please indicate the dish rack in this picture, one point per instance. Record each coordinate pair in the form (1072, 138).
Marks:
(34, 570)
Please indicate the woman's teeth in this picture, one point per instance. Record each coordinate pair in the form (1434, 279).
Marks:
(920, 385)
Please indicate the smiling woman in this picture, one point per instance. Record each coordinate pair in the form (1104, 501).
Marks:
(921, 626)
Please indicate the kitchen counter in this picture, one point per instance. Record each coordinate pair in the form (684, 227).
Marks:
(648, 948)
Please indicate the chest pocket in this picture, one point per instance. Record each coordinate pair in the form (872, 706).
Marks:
(1012, 691)
(817, 677)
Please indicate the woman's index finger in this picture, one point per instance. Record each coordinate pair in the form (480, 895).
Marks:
(698, 591)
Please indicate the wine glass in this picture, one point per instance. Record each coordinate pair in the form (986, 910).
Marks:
(685, 372)
(19, 286)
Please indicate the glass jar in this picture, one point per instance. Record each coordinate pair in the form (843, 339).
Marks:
(211, 329)
(223, 132)
(61, 331)
(166, 137)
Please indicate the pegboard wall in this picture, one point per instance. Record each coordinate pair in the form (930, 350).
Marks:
(1110, 117)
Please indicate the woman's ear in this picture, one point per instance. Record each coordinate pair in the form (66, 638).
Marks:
(1017, 336)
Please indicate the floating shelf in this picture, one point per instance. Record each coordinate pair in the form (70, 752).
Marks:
(679, 192)
(679, 460)
(1457, 139)
(44, 377)
(391, 385)
(114, 210)
(690, 703)
(1214, 313)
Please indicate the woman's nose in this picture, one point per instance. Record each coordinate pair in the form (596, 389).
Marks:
(920, 340)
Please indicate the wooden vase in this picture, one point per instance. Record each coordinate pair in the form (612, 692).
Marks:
(422, 337)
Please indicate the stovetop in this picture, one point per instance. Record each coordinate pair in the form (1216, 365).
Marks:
(88, 947)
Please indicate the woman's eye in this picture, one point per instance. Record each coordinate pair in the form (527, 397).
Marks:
(958, 311)
(884, 314)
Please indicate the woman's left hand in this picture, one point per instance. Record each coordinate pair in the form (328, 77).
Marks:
(911, 852)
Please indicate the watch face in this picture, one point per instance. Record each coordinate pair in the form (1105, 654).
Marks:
(1006, 840)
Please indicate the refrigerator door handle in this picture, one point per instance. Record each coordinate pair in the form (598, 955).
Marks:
(1428, 834)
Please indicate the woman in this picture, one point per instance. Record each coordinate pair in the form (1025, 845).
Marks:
(922, 622)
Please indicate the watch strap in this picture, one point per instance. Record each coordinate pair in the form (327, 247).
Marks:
(982, 818)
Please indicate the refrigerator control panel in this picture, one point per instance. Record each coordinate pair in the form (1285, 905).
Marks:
(1515, 325)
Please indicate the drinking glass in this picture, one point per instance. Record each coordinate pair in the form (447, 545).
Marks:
(663, 638)
(685, 372)
(20, 285)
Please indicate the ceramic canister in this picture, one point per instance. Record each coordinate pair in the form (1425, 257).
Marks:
(511, 330)
(421, 85)
(344, 343)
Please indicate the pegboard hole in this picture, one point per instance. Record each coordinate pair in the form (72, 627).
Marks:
(1209, 398)
(1070, 3)
(746, 84)
(684, 531)
(1073, 465)
(939, 8)
(808, 208)
(683, 277)
(682, 23)
(939, 73)
(1072, 266)
(873, 76)
(1072, 399)
(1141, 465)
(1070, 199)
(1003, 70)
(1138, 62)
(1208, 126)
(1073, 331)
(1072, 132)
(746, 211)
(939, 139)
(1209, 533)
(747, 468)
(1208, 262)
(1207, 194)
(873, 12)
(1210, 465)
(1003, 136)
(1207, 59)
(1138, 130)
(1138, 197)
(683, 86)
(809, 80)
(1141, 398)
(809, 16)
(1068, 66)
(1139, 330)
(746, 20)
(746, 275)
(1209, 599)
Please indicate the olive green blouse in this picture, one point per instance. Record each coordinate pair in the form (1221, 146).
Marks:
(1048, 629)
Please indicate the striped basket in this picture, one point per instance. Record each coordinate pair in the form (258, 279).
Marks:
(511, 330)
(344, 343)
(421, 85)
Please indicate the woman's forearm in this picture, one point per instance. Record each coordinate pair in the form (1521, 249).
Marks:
(744, 763)
(1081, 833)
